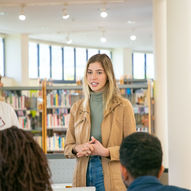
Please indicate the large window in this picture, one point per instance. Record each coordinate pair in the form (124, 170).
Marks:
(2, 65)
(80, 63)
(150, 66)
(102, 51)
(44, 61)
(58, 63)
(143, 66)
(92, 51)
(69, 64)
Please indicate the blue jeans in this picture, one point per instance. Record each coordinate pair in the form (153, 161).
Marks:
(94, 175)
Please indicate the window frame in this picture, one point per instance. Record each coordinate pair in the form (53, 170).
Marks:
(50, 57)
(3, 60)
(145, 64)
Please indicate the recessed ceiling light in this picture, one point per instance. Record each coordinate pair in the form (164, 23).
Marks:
(131, 22)
(103, 13)
(22, 17)
(65, 14)
(133, 37)
(69, 41)
(103, 39)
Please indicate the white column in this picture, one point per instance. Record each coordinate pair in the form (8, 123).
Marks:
(179, 91)
(13, 57)
(16, 47)
(161, 125)
(24, 60)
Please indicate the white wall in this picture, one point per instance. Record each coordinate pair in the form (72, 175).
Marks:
(160, 96)
(16, 58)
(179, 91)
(13, 57)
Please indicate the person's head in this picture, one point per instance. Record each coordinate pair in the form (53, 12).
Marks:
(99, 76)
(23, 165)
(140, 155)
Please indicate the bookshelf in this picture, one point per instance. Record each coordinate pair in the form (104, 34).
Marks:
(52, 107)
(27, 104)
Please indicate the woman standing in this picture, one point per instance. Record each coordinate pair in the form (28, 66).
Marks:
(98, 124)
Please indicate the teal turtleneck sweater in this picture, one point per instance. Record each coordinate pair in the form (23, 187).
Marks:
(96, 114)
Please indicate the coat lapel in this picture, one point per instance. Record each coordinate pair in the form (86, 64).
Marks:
(106, 126)
(85, 115)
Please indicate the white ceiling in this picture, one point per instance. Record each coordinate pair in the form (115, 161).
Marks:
(44, 21)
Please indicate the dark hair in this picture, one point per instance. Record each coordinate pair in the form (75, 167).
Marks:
(23, 165)
(141, 154)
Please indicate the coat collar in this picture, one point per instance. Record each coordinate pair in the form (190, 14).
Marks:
(86, 109)
(115, 103)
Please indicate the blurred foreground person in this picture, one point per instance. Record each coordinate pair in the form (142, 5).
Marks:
(141, 163)
(23, 165)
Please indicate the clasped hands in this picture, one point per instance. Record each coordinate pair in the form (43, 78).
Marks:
(93, 147)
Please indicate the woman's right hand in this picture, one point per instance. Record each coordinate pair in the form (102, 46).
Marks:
(84, 149)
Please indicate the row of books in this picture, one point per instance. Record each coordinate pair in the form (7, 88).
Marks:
(18, 102)
(142, 129)
(55, 143)
(25, 123)
(54, 120)
(55, 99)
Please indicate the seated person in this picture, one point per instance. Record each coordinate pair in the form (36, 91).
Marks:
(8, 116)
(141, 159)
(23, 165)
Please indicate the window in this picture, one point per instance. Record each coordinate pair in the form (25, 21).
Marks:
(2, 63)
(92, 52)
(143, 66)
(44, 61)
(80, 62)
(138, 65)
(56, 63)
(69, 64)
(106, 52)
(150, 66)
(33, 60)
(61, 64)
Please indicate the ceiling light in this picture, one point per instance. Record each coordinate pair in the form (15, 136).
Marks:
(22, 17)
(68, 40)
(103, 13)
(133, 37)
(103, 39)
(131, 22)
(65, 14)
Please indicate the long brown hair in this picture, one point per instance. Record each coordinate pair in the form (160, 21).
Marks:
(111, 89)
(23, 165)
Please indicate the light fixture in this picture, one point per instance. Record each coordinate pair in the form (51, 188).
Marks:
(68, 39)
(22, 16)
(103, 13)
(103, 38)
(65, 14)
(131, 22)
(132, 37)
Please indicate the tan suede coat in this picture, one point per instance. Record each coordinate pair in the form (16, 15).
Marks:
(118, 122)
